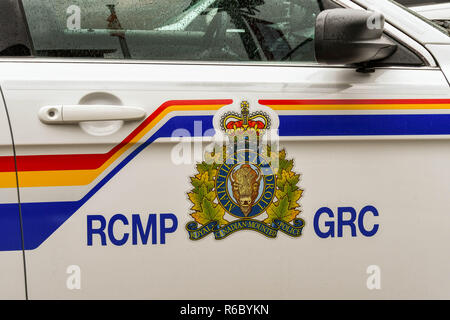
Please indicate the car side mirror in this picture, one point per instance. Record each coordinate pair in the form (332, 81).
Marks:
(349, 36)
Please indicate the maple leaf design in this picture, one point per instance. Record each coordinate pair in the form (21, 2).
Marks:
(285, 164)
(287, 179)
(288, 193)
(211, 169)
(202, 181)
(203, 195)
(281, 211)
(209, 212)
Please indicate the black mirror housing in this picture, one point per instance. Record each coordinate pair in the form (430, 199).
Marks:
(349, 36)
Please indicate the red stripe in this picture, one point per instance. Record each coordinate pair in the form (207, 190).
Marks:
(353, 102)
(7, 164)
(89, 161)
(94, 161)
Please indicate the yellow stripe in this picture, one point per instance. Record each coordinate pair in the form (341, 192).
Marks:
(8, 180)
(362, 107)
(85, 177)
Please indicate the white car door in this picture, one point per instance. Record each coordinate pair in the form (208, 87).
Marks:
(12, 267)
(124, 207)
(12, 271)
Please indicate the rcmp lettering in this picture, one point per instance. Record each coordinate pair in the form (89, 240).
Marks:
(99, 230)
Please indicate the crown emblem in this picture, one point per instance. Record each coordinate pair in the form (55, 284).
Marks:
(246, 182)
(234, 124)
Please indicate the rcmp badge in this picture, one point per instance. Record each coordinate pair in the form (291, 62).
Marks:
(245, 183)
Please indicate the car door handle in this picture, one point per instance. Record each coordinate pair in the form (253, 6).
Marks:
(82, 113)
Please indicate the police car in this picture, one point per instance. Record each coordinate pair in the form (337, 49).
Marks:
(223, 149)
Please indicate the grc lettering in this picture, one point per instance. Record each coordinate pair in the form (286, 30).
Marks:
(347, 218)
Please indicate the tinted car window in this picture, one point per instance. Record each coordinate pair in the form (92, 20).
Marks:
(207, 30)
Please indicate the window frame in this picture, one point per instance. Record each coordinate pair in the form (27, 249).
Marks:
(418, 49)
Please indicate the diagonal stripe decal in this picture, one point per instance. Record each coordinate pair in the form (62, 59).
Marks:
(83, 169)
(77, 170)
(94, 161)
(358, 104)
(41, 220)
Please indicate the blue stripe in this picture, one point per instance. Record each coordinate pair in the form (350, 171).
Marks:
(10, 235)
(364, 125)
(41, 220)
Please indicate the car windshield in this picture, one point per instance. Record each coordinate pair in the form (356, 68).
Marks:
(440, 25)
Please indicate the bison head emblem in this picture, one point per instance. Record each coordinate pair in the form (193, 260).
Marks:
(245, 182)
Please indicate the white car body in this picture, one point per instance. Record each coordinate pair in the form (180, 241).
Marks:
(439, 11)
(371, 148)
